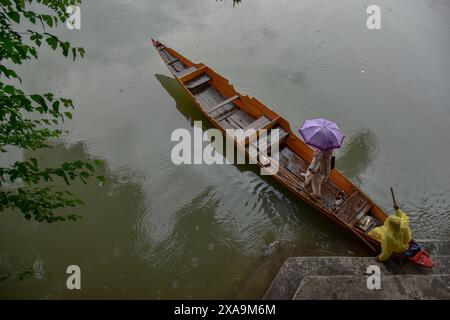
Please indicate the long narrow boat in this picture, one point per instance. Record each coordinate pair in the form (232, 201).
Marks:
(226, 108)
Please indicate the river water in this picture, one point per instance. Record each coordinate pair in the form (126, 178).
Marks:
(157, 230)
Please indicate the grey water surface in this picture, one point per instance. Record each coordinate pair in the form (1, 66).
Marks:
(157, 230)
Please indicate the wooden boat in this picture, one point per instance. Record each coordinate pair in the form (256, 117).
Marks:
(226, 108)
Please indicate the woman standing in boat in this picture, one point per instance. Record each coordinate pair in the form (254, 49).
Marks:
(324, 135)
(318, 171)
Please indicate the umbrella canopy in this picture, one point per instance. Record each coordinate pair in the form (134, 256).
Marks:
(322, 134)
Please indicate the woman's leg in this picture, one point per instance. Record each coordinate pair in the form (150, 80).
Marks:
(308, 177)
(319, 186)
(316, 181)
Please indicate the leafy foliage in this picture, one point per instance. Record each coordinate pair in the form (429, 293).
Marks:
(20, 275)
(235, 2)
(29, 120)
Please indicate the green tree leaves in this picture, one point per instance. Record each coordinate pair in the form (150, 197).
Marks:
(52, 42)
(14, 15)
(48, 20)
(28, 121)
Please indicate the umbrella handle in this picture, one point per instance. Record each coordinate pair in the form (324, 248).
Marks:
(333, 162)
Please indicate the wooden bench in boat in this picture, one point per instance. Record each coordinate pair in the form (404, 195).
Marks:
(258, 123)
(294, 163)
(266, 148)
(282, 137)
(222, 104)
(353, 208)
(197, 82)
(214, 104)
(173, 61)
(236, 118)
(186, 72)
(261, 123)
(228, 114)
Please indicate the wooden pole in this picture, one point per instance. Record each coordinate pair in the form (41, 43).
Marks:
(393, 198)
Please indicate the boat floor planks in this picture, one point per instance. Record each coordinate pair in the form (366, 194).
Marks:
(228, 109)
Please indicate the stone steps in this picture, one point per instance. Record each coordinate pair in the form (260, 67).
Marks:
(295, 269)
(393, 287)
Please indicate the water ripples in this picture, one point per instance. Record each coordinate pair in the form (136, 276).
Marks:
(431, 213)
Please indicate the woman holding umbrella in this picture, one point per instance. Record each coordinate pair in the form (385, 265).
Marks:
(324, 136)
(318, 171)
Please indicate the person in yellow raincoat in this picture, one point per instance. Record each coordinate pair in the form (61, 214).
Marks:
(394, 235)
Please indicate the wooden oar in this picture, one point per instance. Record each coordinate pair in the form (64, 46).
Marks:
(393, 199)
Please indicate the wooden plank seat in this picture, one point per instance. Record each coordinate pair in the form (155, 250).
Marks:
(258, 123)
(173, 61)
(265, 149)
(351, 207)
(223, 103)
(237, 119)
(255, 151)
(330, 194)
(166, 55)
(238, 122)
(293, 162)
(261, 123)
(226, 115)
(177, 66)
(241, 119)
(282, 137)
(198, 82)
(269, 143)
(185, 72)
(364, 211)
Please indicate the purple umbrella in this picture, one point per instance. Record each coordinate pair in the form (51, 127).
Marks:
(322, 134)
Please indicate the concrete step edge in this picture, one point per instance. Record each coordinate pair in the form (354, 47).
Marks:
(290, 274)
(445, 292)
